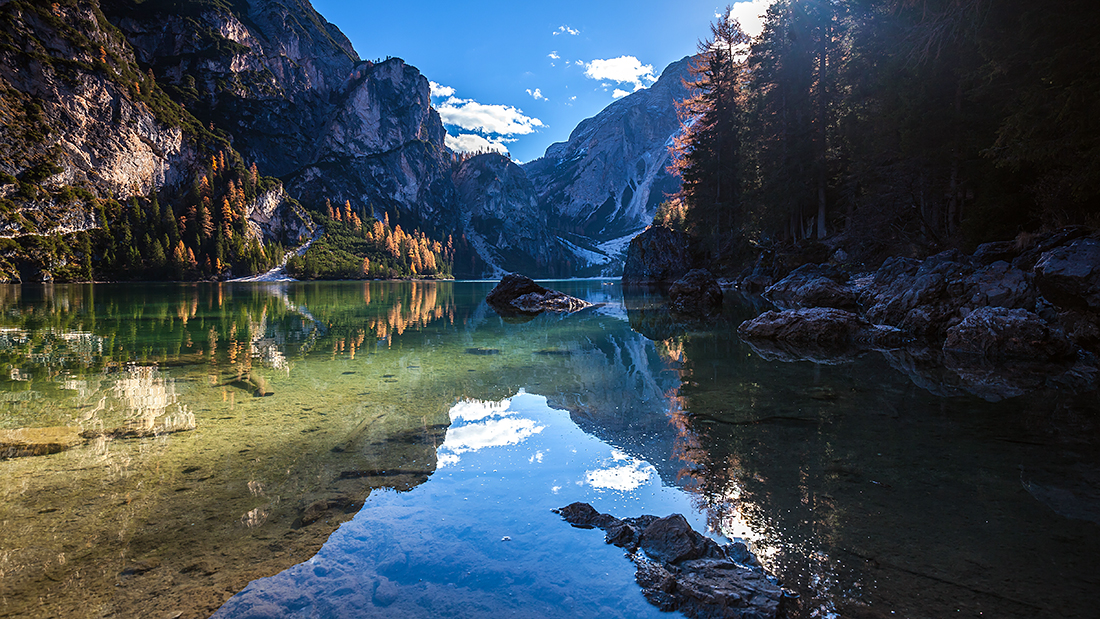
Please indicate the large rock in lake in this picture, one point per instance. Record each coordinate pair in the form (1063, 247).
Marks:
(517, 294)
(657, 255)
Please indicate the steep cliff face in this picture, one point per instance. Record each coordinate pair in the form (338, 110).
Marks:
(604, 185)
(266, 71)
(382, 147)
(502, 218)
(299, 102)
(78, 120)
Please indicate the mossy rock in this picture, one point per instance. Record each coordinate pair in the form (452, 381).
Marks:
(25, 442)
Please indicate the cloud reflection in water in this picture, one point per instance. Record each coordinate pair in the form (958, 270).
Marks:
(476, 425)
(623, 477)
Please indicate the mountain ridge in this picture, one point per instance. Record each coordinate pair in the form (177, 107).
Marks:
(604, 183)
(135, 101)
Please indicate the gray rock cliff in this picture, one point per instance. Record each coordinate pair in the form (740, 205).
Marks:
(502, 218)
(603, 185)
(74, 116)
(299, 102)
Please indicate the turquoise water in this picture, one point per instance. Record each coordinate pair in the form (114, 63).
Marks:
(394, 449)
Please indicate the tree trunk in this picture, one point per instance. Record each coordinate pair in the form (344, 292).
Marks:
(822, 109)
(953, 215)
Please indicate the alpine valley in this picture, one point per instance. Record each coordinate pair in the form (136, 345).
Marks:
(209, 139)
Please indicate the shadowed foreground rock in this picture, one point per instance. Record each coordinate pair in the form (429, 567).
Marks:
(821, 327)
(999, 333)
(679, 569)
(657, 255)
(517, 294)
(815, 285)
(694, 293)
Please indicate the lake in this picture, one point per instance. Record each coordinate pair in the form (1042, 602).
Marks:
(378, 449)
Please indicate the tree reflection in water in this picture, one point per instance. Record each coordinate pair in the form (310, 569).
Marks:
(873, 497)
(862, 489)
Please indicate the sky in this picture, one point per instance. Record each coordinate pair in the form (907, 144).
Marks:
(519, 76)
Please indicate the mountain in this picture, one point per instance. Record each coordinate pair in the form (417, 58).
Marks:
(603, 186)
(75, 116)
(297, 100)
(197, 139)
(503, 219)
(88, 128)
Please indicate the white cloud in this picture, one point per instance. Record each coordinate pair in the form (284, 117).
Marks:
(490, 119)
(579, 63)
(473, 143)
(553, 56)
(751, 15)
(566, 30)
(441, 91)
(482, 127)
(619, 93)
(624, 69)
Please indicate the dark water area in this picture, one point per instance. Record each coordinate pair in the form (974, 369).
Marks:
(394, 449)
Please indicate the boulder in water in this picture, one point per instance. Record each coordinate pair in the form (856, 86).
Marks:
(518, 294)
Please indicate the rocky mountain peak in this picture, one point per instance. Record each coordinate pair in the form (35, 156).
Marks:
(502, 218)
(604, 184)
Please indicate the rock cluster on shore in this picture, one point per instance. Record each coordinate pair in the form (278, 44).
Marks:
(680, 569)
(1004, 307)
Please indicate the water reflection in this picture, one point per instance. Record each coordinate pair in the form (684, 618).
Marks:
(138, 518)
(873, 497)
(148, 397)
(864, 489)
(478, 539)
(476, 425)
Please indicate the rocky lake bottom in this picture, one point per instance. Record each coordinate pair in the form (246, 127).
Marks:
(396, 449)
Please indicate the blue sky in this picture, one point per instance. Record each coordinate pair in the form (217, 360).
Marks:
(521, 75)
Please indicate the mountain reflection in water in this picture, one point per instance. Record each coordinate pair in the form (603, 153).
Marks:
(223, 433)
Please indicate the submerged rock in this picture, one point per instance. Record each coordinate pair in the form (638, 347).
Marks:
(25, 442)
(682, 570)
(695, 293)
(517, 294)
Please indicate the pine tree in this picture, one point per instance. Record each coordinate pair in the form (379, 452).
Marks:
(708, 155)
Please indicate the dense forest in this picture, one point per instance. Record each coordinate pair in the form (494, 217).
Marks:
(891, 127)
(204, 235)
(355, 247)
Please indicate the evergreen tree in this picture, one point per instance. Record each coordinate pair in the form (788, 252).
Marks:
(708, 154)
